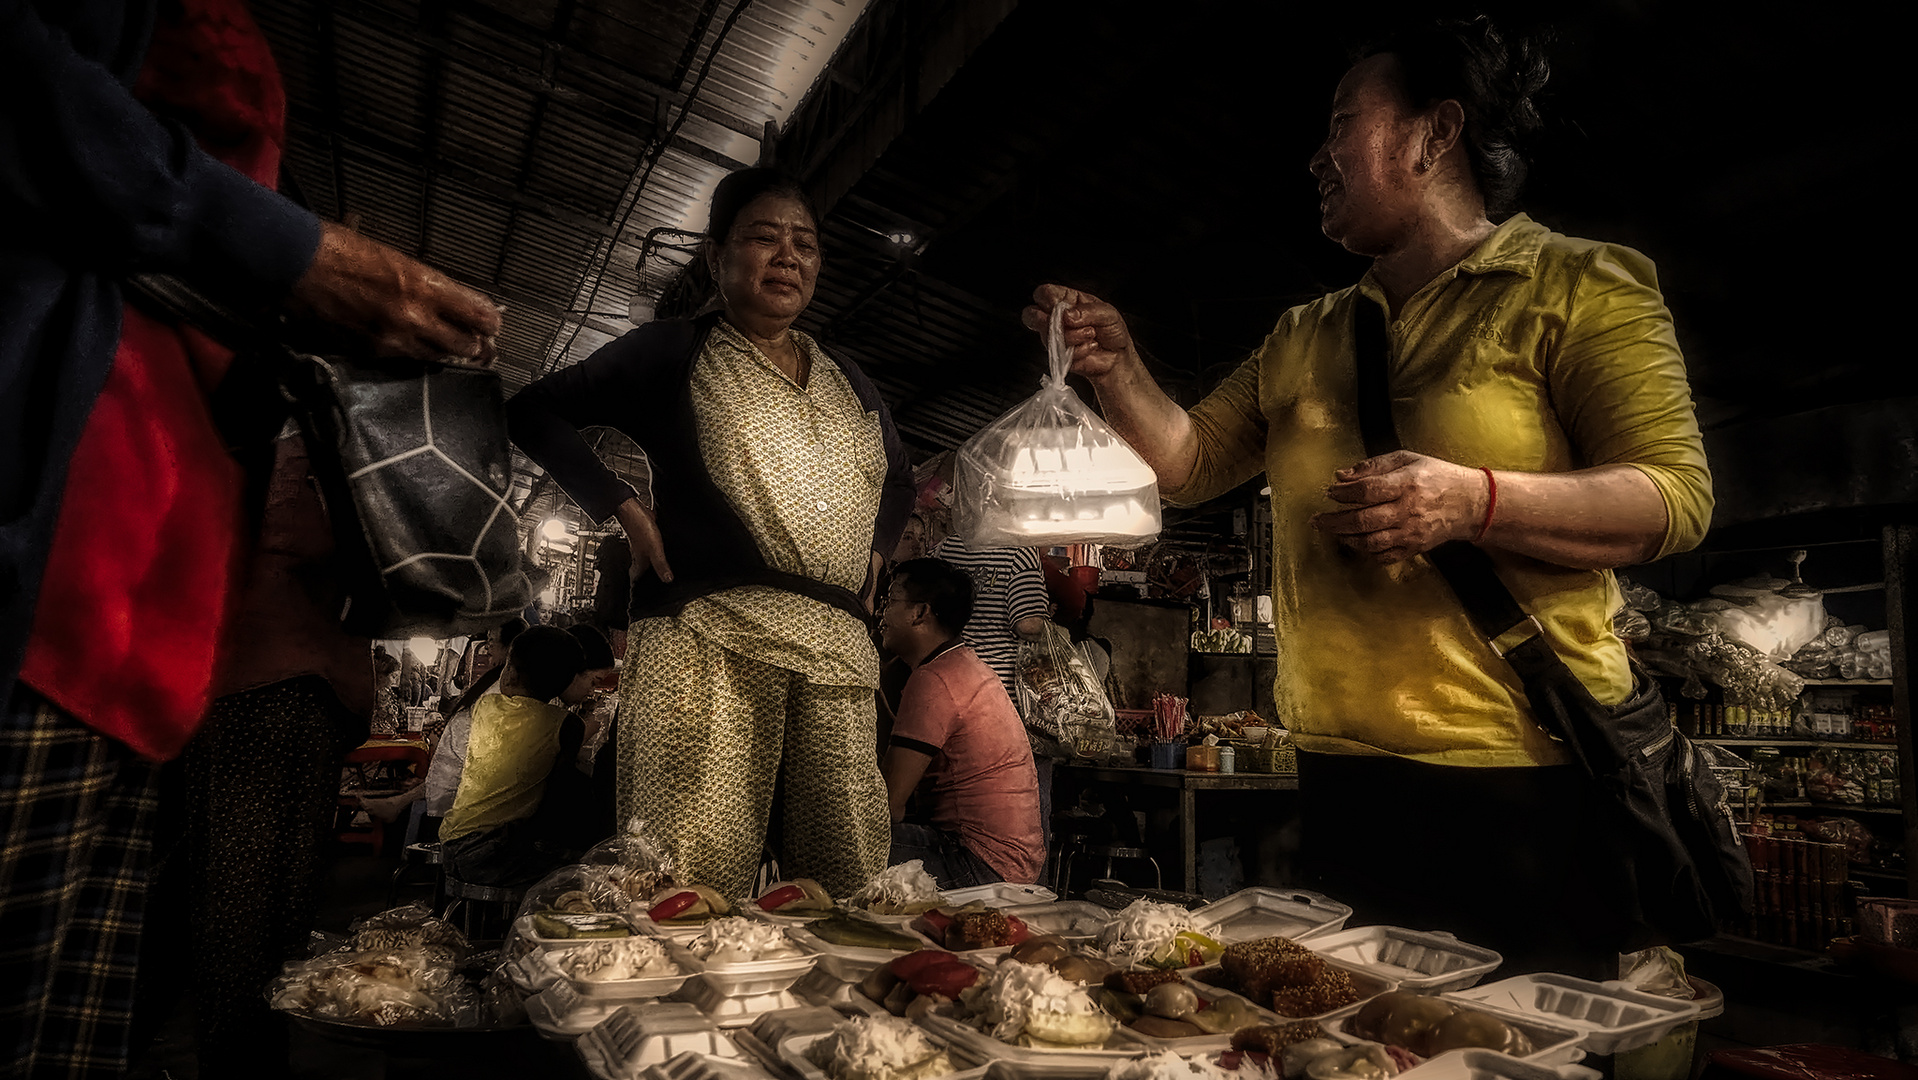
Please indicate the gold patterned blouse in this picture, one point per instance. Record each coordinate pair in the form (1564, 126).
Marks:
(804, 466)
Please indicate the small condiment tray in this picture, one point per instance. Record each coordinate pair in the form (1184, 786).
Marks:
(1428, 962)
(1261, 912)
(1609, 1017)
(635, 1037)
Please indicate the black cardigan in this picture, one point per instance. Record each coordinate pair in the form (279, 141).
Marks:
(641, 386)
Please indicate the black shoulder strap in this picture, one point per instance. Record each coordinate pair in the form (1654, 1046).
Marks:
(1494, 611)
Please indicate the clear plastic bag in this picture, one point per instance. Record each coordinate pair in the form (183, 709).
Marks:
(1066, 709)
(1052, 472)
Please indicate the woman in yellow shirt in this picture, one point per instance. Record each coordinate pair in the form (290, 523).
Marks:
(1537, 381)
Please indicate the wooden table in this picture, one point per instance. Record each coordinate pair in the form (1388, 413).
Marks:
(1188, 784)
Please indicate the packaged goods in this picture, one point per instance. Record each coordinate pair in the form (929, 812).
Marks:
(1052, 472)
(1065, 706)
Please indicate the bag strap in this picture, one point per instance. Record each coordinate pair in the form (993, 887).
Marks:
(1495, 612)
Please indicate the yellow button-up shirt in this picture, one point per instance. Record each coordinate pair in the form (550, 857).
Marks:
(1538, 352)
(804, 466)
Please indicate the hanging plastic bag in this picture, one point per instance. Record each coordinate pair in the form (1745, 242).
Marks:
(1051, 472)
(1066, 710)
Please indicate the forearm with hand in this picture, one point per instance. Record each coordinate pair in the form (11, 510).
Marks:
(1405, 504)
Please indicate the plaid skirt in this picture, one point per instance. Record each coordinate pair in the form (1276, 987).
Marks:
(76, 821)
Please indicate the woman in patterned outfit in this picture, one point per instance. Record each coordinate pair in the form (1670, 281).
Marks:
(750, 675)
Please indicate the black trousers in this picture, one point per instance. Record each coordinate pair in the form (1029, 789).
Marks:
(1490, 855)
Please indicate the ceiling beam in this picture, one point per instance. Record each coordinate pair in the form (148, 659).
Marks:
(627, 85)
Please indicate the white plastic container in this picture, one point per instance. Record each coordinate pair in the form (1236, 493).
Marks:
(634, 1037)
(752, 978)
(695, 1066)
(1261, 912)
(1067, 918)
(533, 971)
(1210, 980)
(1208, 1043)
(1000, 894)
(1492, 1065)
(1415, 959)
(851, 962)
(523, 926)
(760, 1039)
(1609, 1017)
(823, 987)
(979, 1046)
(560, 1013)
(1553, 1043)
(792, 1054)
(734, 1010)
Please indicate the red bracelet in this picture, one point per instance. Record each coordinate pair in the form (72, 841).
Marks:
(1491, 503)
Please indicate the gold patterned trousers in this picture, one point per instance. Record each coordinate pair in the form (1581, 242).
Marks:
(705, 734)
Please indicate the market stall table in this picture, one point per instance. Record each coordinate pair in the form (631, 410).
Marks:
(1188, 784)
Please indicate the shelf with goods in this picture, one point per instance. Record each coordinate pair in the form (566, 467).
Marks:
(1826, 797)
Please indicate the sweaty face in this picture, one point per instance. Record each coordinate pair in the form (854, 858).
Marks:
(768, 264)
(1365, 168)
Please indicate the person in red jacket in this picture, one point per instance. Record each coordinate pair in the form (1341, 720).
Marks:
(135, 137)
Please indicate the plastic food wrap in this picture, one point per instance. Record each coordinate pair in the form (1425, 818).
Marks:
(1844, 652)
(634, 862)
(1065, 707)
(414, 986)
(1052, 472)
(411, 926)
(1771, 615)
(576, 890)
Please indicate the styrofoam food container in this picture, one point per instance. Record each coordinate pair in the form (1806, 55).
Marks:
(822, 986)
(1492, 1065)
(734, 1010)
(696, 1066)
(533, 971)
(1261, 912)
(979, 1046)
(1210, 979)
(561, 1013)
(1064, 1069)
(760, 1039)
(1553, 1043)
(1415, 959)
(645, 925)
(1197, 1044)
(652, 986)
(1066, 918)
(751, 978)
(636, 1036)
(1610, 1017)
(523, 926)
(1000, 894)
(792, 1054)
(852, 962)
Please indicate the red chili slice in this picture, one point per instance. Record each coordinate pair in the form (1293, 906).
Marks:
(912, 963)
(944, 979)
(780, 897)
(672, 905)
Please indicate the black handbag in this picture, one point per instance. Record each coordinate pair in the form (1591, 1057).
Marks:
(412, 464)
(1665, 853)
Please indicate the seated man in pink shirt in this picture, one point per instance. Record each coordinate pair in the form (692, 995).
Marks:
(957, 741)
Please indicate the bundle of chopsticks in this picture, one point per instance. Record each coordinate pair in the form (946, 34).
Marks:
(1168, 718)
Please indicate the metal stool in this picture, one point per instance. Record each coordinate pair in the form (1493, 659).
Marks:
(1110, 852)
(420, 864)
(487, 908)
